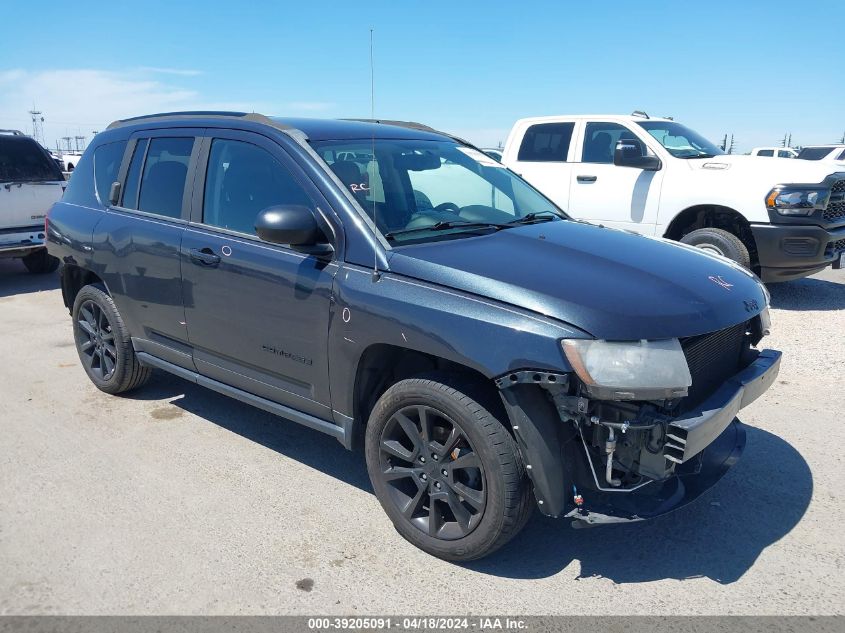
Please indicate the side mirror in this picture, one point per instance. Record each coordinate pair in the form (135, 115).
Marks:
(631, 154)
(114, 194)
(294, 225)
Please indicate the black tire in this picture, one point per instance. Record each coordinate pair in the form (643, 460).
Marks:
(458, 511)
(103, 343)
(40, 262)
(720, 242)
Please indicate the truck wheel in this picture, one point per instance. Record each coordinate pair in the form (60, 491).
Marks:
(445, 469)
(40, 262)
(103, 343)
(720, 242)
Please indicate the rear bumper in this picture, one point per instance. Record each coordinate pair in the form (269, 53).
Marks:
(792, 251)
(20, 241)
(704, 443)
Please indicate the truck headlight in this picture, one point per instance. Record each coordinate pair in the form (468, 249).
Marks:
(797, 200)
(631, 370)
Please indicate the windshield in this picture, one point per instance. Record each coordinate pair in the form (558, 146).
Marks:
(814, 153)
(24, 160)
(679, 140)
(420, 190)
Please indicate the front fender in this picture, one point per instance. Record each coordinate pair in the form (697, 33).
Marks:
(488, 337)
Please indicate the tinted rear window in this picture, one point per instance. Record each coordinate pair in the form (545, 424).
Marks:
(165, 172)
(814, 153)
(107, 159)
(22, 159)
(546, 142)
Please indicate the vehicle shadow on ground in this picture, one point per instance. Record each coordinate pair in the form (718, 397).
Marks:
(15, 279)
(719, 536)
(808, 294)
(307, 446)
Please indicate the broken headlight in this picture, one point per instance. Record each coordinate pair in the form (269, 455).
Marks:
(630, 370)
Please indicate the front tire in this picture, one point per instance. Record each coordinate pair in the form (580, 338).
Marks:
(103, 343)
(40, 262)
(445, 469)
(720, 242)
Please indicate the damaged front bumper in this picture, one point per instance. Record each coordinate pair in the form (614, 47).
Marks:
(697, 448)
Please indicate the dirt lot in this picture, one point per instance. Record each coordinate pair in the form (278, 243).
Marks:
(176, 500)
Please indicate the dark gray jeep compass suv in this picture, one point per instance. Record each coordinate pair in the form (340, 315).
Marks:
(386, 282)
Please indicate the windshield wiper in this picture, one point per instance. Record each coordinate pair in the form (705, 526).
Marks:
(538, 216)
(445, 224)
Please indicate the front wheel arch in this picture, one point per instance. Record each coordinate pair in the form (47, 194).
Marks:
(717, 217)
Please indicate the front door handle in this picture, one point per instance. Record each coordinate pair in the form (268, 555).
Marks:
(204, 257)
(587, 178)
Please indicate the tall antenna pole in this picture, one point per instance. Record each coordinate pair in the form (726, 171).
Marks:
(37, 125)
(376, 273)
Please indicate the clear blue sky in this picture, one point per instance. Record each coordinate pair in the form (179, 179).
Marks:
(757, 69)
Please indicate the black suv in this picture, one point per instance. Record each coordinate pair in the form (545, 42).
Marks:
(391, 283)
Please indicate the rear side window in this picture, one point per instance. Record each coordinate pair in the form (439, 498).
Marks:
(766, 152)
(133, 178)
(814, 153)
(242, 180)
(546, 142)
(107, 159)
(164, 176)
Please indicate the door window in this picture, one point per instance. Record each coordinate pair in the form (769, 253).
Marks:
(243, 180)
(546, 142)
(600, 141)
(766, 152)
(164, 175)
(784, 154)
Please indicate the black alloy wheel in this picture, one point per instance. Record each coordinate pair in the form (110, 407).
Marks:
(95, 340)
(433, 474)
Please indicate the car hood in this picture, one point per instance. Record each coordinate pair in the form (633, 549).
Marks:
(612, 284)
(773, 171)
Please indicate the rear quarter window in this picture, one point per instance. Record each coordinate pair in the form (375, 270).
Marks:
(22, 159)
(107, 159)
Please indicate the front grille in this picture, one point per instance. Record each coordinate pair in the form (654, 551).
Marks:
(836, 207)
(712, 359)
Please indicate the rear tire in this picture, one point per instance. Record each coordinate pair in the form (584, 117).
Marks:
(720, 242)
(40, 262)
(104, 345)
(445, 469)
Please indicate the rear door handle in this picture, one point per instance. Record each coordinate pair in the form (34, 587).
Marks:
(587, 178)
(204, 257)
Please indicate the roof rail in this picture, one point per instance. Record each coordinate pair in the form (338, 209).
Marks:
(12, 132)
(639, 113)
(412, 125)
(190, 114)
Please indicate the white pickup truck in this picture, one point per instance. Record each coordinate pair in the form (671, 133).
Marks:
(784, 219)
(30, 182)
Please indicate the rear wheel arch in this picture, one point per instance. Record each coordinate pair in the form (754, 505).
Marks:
(74, 279)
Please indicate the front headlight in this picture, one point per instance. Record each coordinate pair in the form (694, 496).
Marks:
(797, 200)
(635, 370)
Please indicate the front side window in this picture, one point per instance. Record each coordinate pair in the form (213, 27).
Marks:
(165, 170)
(242, 180)
(784, 154)
(680, 141)
(107, 159)
(426, 190)
(546, 142)
(600, 141)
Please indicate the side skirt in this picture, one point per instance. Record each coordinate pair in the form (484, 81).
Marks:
(341, 433)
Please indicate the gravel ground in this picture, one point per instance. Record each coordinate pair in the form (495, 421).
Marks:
(176, 500)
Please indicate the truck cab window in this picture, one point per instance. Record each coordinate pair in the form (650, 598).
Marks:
(546, 142)
(600, 141)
